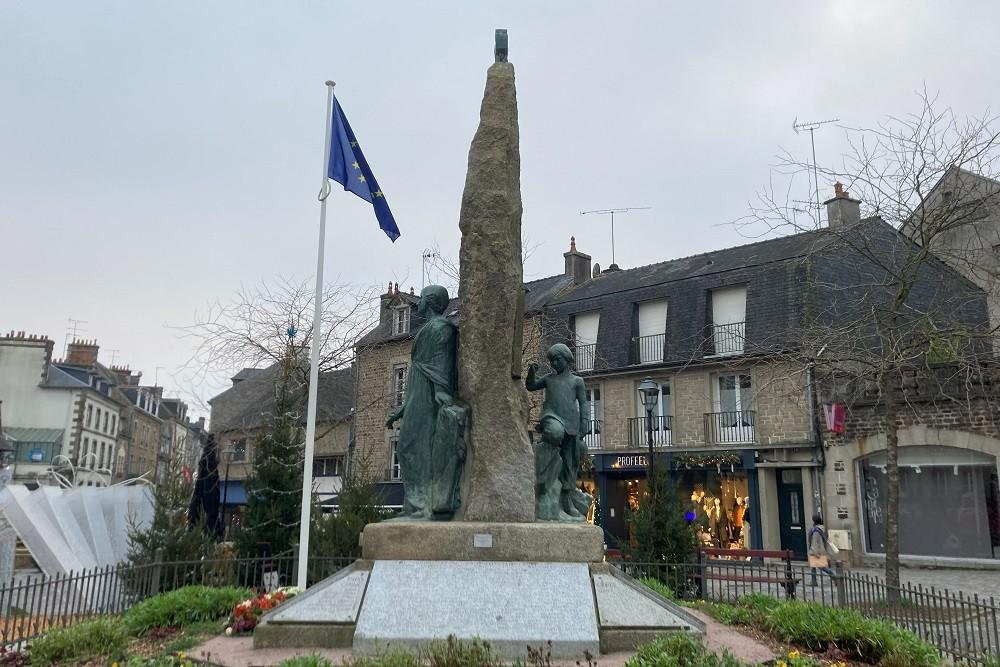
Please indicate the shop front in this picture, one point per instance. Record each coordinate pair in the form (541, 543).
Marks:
(949, 502)
(718, 492)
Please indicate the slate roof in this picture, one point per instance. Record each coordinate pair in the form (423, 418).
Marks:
(62, 378)
(250, 404)
(36, 436)
(716, 261)
(247, 374)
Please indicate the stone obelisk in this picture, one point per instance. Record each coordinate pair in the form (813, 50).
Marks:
(500, 473)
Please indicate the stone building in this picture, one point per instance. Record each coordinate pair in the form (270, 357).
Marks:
(738, 420)
(242, 413)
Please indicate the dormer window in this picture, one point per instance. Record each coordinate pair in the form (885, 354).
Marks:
(401, 320)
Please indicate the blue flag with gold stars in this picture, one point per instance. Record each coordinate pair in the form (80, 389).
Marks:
(349, 167)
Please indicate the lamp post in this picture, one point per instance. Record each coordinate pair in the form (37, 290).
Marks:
(650, 391)
(228, 454)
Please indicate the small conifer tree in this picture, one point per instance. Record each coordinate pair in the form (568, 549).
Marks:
(659, 530)
(275, 486)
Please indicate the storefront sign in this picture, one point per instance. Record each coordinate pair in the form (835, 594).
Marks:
(631, 461)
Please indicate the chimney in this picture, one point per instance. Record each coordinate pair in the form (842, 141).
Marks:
(384, 300)
(842, 211)
(82, 353)
(577, 263)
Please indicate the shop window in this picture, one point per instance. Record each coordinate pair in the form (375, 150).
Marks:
(948, 502)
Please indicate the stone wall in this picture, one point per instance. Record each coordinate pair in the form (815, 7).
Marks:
(779, 400)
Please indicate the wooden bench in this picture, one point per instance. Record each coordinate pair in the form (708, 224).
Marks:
(711, 557)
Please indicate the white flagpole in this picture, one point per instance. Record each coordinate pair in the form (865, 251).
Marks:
(307, 469)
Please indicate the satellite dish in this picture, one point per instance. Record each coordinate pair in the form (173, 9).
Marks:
(597, 270)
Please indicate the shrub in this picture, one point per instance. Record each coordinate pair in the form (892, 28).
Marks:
(191, 604)
(658, 587)
(679, 650)
(100, 637)
(455, 653)
(306, 661)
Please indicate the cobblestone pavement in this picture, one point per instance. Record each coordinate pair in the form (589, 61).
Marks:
(981, 582)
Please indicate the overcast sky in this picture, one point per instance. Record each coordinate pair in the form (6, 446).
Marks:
(155, 156)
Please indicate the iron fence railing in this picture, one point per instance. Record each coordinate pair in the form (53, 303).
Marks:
(638, 431)
(585, 356)
(32, 604)
(963, 626)
(725, 339)
(727, 427)
(650, 349)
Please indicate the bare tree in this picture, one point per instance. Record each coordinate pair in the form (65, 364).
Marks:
(254, 328)
(887, 320)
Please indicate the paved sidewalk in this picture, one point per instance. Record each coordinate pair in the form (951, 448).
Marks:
(239, 651)
(981, 582)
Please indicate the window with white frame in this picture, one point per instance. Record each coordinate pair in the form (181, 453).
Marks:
(652, 331)
(328, 466)
(401, 320)
(90, 415)
(733, 420)
(399, 384)
(239, 449)
(729, 314)
(394, 471)
(586, 325)
(106, 416)
(662, 423)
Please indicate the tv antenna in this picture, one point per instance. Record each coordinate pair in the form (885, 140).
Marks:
(812, 127)
(611, 212)
(426, 257)
(73, 330)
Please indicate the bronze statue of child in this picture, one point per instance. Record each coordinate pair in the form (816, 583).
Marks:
(565, 420)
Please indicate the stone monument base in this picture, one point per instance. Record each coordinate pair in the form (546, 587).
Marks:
(377, 606)
(475, 541)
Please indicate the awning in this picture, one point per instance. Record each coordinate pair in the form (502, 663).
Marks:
(233, 492)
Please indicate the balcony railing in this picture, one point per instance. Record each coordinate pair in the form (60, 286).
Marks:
(593, 439)
(585, 355)
(649, 349)
(638, 431)
(730, 427)
(726, 339)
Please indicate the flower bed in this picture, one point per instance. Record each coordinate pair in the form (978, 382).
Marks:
(247, 614)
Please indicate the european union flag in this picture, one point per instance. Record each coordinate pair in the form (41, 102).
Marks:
(349, 167)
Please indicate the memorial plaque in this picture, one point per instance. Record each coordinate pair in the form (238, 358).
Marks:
(335, 600)
(482, 541)
(620, 605)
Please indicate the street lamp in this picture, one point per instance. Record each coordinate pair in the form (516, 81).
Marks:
(650, 391)
(228, 454)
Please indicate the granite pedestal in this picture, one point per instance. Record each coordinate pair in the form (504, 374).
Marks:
(513, 585)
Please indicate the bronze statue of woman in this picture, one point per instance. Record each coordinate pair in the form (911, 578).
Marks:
(431, 444)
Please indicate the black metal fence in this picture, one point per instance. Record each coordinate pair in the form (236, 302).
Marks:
(963, 626)
(31, 605)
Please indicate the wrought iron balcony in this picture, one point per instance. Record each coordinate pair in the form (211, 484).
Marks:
(725, 339)
(593, 439)
(638, 431)
(730, 427)
(650, 349)
(585, 356)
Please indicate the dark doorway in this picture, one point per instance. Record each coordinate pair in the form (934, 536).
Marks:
(791, 511)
